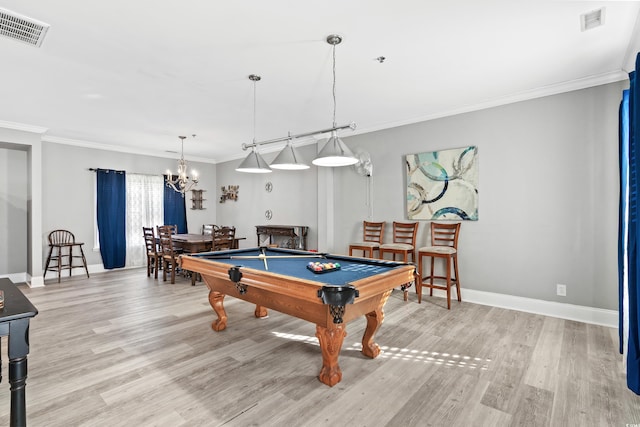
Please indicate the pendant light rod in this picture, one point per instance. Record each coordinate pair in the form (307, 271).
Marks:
(351, 126)
(254, 163)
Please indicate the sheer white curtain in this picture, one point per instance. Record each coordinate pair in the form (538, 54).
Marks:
(144, 209)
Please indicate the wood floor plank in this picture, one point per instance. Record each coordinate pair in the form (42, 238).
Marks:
(121, 349)
(534, 407)
(542, 371)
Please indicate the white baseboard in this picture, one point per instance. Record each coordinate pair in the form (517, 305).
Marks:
(93, 269)
(33, 282)
(15, 277)
(36, 281)
(99, 268)
(579, 313)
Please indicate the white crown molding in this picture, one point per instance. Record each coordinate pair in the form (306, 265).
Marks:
(120, 149)
(578, 84)
(583, 83)
(573, 85)
(629, 61)
(23, 127)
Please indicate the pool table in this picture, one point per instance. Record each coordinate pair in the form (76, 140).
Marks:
(360, 287)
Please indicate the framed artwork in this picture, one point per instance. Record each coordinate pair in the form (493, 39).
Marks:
(443, 185)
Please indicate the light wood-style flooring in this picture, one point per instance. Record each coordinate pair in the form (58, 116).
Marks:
(121, 349)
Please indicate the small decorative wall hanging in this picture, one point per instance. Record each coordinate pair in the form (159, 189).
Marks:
(443, 185)
(268, 187)
(268, 214)
(229, 192)
(196, 199)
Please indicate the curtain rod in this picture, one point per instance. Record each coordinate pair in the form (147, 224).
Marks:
(96, 170)
(132, 173)
(351, 126)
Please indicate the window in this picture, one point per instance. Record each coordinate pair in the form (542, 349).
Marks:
(145, 195)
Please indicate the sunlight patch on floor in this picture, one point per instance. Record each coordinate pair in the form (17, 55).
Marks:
(295, 337)
(406, 354)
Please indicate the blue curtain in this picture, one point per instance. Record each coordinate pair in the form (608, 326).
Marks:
(175, 210)
(622, 213)
(633, 252)
(111, 213)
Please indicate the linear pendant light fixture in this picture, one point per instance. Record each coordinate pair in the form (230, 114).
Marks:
(254, 163)
(334, 153)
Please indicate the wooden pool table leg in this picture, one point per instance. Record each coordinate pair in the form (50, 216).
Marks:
(330, 344)
(216, 299)
(374, 320)
(260, 312)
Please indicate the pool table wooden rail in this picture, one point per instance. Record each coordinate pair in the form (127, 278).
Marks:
(299, 297)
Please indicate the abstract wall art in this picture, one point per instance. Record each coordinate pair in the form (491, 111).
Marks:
(443, 185)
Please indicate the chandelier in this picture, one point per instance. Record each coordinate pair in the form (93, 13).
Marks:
(182, 183)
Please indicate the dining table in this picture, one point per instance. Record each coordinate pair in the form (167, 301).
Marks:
(193, 243)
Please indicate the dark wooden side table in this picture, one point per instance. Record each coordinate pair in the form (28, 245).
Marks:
(14, 323)
(297, 234)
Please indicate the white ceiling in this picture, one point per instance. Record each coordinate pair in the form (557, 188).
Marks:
(133, 75)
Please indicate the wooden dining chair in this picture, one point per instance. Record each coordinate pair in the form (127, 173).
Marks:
(62, 243)
(207, 229)
(153, 255)
(169, 254)
(444, 245)
(372, 235)
(223, 238)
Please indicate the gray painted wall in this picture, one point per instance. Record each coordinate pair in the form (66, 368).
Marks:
(13, 211)
(69, 189)
(293, 199)
(548, 194)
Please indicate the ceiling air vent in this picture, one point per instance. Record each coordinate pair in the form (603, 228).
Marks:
(22, 28)
(592, 19)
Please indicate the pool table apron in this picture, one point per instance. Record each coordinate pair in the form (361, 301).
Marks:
(299, 298)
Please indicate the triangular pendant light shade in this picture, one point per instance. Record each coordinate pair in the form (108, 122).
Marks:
(254, 163)
(335, 153)
(289, 159)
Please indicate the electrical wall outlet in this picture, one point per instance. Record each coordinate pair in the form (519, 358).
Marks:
(561, 290)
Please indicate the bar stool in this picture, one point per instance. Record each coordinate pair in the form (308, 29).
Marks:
(444, 241)
(404, 241)
(372, 235)
(404, 244)
(61, 245)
